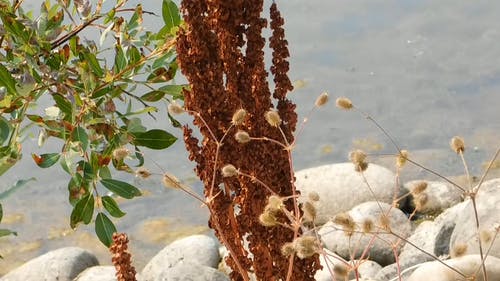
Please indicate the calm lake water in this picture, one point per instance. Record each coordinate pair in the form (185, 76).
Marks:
(425, 70)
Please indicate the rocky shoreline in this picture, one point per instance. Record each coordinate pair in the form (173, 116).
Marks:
(356, 232)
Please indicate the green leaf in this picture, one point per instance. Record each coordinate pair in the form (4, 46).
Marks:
(5, 232)
(83, 211)
(80, 135)
(13, 188)
(120, 59)
(139, 156)
(104, 228)
(154, 139)
(153, 96)
(170, 14)
(63, 104)
(1, 212)
(94, 64)
(121, 188)
(110, 205)
(4, 130)
(174, 90)
(7, 81)
(174, 121)
(46, 160)
(104, 172)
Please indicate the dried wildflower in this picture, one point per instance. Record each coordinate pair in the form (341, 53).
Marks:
(344, 103)
(485, 236)
(346, 221)
(273, 118)
(367, 225)
(142, 173)
(239, 117)
(321, 100)
(457, 144)
(120, 153)
(340, 270)
(358, 158)
(268, 218)
(313, 196)
(170, 181)
(309, 212)
(401, 159)
(459, 250)
(420, 201)
(122, 260)
(385, 222)
(229, 171)
(418, 188)
(288, 249)
(306, 246)
(174, 108)
(274, 203)
(242, 136)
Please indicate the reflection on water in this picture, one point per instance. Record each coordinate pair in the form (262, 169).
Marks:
(426, 70)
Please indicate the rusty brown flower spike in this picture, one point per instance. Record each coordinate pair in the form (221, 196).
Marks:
(122, 260)
(221, 53)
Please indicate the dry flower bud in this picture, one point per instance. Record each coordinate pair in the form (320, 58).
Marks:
(170, 181)
(346, 221)
(322, 99)
(344, 103)
(340, 270)
(274, 203)
(229, 171)
(313, 196)
(459, 250)
(239, 117)
(306, 246)
(174, 108)
(309, 212)
(142, 173)
(420, 201)
(367, 225)
(357, 156)
(419, 187)
(288, 249)
(273, 118)
(385, 222)
(120, 153)
(268, 219)
(401, 159)
(242, 137)
(485, 236)
(457, 144)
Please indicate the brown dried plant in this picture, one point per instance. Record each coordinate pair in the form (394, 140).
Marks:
(122, 259)
(221, 53)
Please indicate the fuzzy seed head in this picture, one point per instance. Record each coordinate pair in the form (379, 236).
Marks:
(419, 187)
(170, 181)
(242, 136)
(485, 236)
(401, 159)
(239, 117)
(340, 270)
(358, 158)
(120, 153)
(268, 219)
(457, 144)
(313, 196)
(142, 173)
(459, 250)
(344, 103)
(385, 222)
(273, 118)
(367, 225)
(420, 201)
(288, 249)
(321, 100)
(229, 171)
(309, 212)
(346, 221)
(174, 108)
(306, 246)
(274, 203)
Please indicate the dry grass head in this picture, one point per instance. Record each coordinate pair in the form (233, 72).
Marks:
(229, 171)
(306, 246)
(313, 196)
(401, 159)
(344, 103)
(170, 181)
(385, 222)
(459, 250)
(239, 117)
(120, 153)
(242, 136)
(321, 100)
(309, 212)
(174, 108)
(273, 118)
(418, 188)
(420, 201)
(346, 221)
(358, 158)
(457, 144)
(367, 225)
(142, 173)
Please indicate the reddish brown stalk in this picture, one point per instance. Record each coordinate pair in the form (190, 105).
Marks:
(220, 52)
(122, 260)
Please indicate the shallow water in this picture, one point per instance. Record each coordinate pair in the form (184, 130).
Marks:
(425, 70)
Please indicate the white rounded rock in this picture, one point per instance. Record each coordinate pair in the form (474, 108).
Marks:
(469, 266)
(381, 251)
(200, 249)
(185, 270)
(59, 265)
(466, 235)
(340, 187)
(97, 273)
